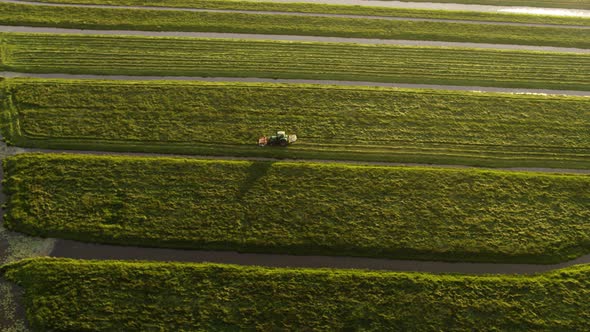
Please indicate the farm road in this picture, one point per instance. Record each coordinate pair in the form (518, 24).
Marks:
(300, 81)
(244, 36)
(386, 18)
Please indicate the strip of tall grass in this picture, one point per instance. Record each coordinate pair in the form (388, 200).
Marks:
(70, 295)
(573, 4)
(83, 54)
(358, 10)
(354, 123)
(129, 19)
(301, 208)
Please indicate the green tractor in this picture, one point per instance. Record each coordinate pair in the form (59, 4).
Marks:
(280, 139)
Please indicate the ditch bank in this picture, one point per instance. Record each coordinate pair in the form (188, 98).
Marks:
(80, 250)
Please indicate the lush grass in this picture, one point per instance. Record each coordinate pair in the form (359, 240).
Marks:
(47, 53)
(497, 130)
(302, 208)
(69, 295)
(341, 9)
(112, 19)
(573, 4)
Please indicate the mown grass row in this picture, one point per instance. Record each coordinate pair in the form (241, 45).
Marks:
(497, 130)
(47, 53)
(573, 4)
(70, 295)
(301, 208)
(127, 19)
(358, 10)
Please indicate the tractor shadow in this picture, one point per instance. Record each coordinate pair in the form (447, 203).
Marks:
(256, 171)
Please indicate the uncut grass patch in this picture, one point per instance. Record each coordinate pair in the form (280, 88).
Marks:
(301, 208)
(75, 54)
(70, 295)
(354, 123)
(129, 19)
(573, 4)
(339, 9)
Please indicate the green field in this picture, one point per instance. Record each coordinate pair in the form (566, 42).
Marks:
(362, 10)
(302, 208)
(125, 19)
(49, 53)
(69, 295)
(497, 130)
(573, 4)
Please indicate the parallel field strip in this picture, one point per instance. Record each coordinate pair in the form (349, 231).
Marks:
(46, 53)
(139, 20)
(191, 117)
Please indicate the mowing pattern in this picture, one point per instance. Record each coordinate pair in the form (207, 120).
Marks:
(301, 207)
(332, 122)
(113, 19)
(68, 295)
(580, 4)
(574, 4)
(221, 57)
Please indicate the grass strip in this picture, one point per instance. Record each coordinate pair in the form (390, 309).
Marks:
(354, 123)
(301, 208)
(81, 54)
(74, 295)
(129, 19)
(572, 4)
(340, 9)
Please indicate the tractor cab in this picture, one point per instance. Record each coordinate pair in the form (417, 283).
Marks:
(280, 139)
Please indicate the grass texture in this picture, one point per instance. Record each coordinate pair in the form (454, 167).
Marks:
(573, 4)
(358, 10)
(302, 208)
(484, 129)
(49, 53)
(69, 295)
(128, 19)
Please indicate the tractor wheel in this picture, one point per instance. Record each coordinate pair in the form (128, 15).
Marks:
(283, 143)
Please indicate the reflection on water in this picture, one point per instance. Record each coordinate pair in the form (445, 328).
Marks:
(546, 11)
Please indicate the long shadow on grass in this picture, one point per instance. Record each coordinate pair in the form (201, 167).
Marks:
(256, 171)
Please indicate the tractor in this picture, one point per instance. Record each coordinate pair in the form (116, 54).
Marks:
(280, 139)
